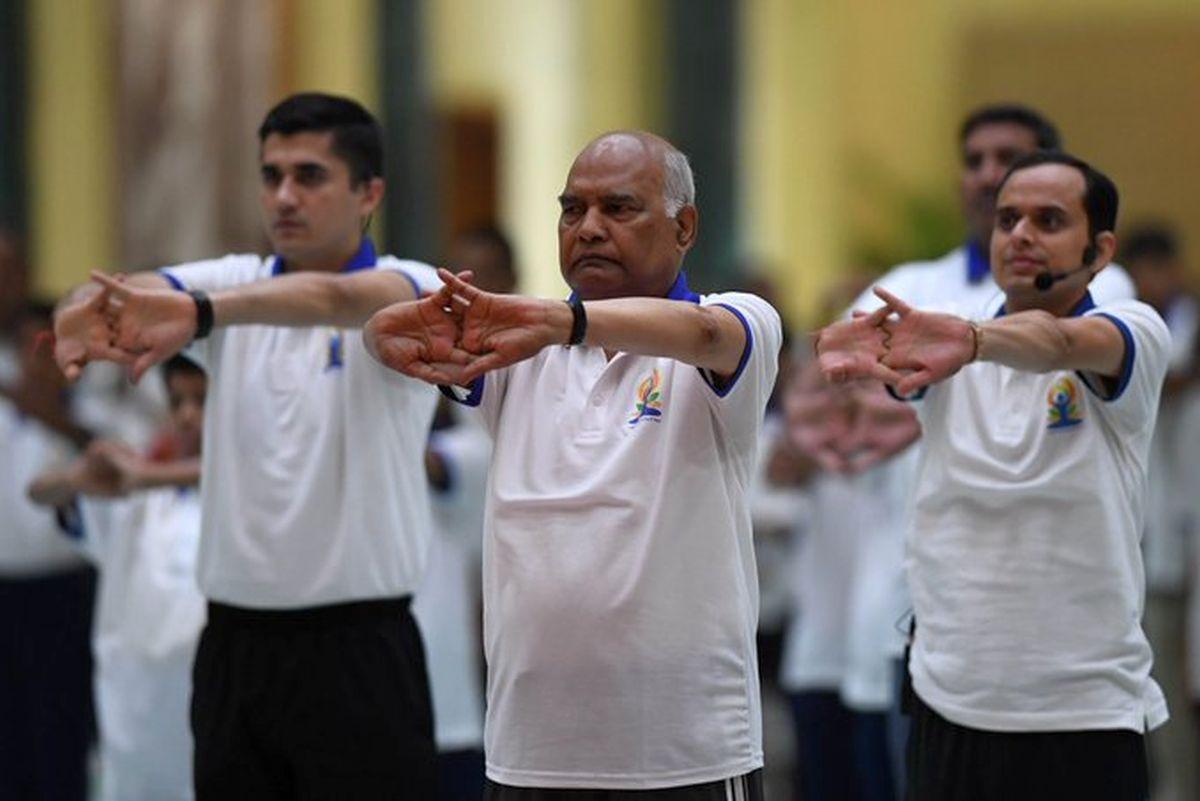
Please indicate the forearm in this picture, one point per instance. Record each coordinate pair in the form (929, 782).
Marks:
(311, 298)
(708, 337)
(53, 488)
(1036, 341)
(180, 473)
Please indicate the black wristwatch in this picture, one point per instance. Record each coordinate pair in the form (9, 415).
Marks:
(204, 313)
(578, 322)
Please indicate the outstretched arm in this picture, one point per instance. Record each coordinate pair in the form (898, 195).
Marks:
(932, 347)
(152, 324)
(505, 329)
(109, 470)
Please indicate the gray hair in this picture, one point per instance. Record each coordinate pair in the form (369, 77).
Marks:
(679, 186)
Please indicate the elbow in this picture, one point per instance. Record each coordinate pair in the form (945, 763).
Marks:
(715, 346)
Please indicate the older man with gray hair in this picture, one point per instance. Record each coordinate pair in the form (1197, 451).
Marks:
(619, 583)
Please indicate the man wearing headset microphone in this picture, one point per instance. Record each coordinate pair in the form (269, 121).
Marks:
(1030, 669)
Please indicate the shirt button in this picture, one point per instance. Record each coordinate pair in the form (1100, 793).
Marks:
(598, 401)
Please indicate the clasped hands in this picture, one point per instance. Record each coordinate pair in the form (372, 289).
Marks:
(136, 327)
(460, 332)
(896, 344)
(846, 423)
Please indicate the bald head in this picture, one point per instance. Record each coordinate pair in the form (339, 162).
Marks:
(628, 217)
(674, 172)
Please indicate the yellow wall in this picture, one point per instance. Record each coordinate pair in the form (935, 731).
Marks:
(831, 90)
(72, 158)
(849, 105)
(334, 47)
(557, 73)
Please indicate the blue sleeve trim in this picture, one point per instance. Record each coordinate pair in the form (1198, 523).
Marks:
(70, 520)
(172, 280)
(473, 398)
(416, 287)
(727, 386)
(1126, 365)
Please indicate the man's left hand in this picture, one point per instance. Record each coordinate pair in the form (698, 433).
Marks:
(500, 330)
(926, 346)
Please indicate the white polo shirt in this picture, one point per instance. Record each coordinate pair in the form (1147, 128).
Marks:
(961, 283)
(446, 606)
(29, 541)
(149, 613)
(314, 476)
(619, 580)
(1023, 557)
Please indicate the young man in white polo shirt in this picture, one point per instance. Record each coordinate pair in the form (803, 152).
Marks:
(1030, 667)
(310, 677)
(619, 583)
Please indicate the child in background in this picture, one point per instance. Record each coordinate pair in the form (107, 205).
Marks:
(138, 520)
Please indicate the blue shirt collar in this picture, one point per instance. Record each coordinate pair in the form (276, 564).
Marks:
(678, 291)
(362, 259)
(1085, 305)
(978, 267)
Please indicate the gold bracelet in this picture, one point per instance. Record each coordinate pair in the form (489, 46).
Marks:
(976, 337)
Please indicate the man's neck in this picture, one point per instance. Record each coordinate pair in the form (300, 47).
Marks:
(331, 262)
(1060, 308)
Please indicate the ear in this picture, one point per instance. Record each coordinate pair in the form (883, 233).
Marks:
(1106, 249)
(372, 196)
(686, 225)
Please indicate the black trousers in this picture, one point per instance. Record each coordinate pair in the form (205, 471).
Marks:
(46, 718)
(323, 704)
(739, 788)
(948, 762)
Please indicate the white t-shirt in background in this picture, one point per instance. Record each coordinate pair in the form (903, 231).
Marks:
(30, 544)
(149, 614)
(447, 604)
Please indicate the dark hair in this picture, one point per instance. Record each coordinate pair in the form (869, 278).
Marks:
(1042, 129)
(177, 365)
(491, 235)
(1154, 241)
(357, 139)
(1100, 198)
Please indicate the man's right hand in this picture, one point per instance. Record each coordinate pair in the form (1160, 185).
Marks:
(82, 333)
(148, 325)
(853, 349)
(419, 338)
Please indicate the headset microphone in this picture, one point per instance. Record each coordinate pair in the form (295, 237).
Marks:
(1046, 279)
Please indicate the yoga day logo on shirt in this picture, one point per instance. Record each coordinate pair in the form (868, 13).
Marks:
(648, 404)
(1063, 408)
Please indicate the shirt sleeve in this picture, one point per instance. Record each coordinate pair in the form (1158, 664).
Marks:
(485, 394)
(424, 278)
(741, 398)
(1133, 402)
(210, 276)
